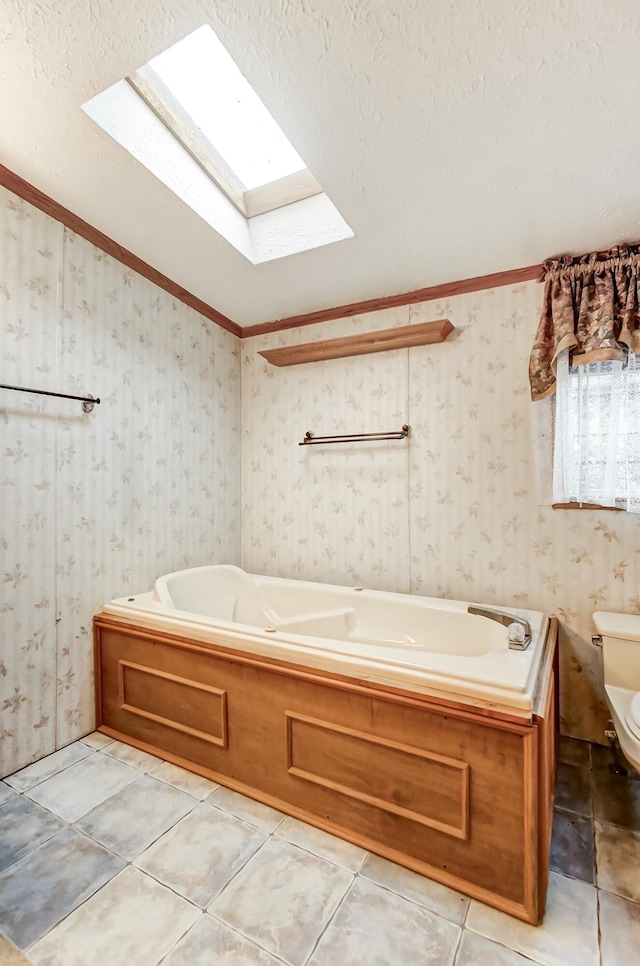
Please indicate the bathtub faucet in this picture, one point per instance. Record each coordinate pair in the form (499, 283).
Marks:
(518, 629)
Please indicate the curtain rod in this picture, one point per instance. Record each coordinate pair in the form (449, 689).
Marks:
(88, 402)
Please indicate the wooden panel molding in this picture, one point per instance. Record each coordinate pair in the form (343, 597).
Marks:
(398, 778)
(425, 333)
(445, 290)
(38, 199)
(393, 772)
(178, 703)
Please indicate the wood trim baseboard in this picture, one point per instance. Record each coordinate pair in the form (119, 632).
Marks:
(445, 290)
(38, 199)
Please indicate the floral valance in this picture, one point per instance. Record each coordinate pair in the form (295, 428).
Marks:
(590, 307)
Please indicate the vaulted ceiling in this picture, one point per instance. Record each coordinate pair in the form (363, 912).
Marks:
(455, 138)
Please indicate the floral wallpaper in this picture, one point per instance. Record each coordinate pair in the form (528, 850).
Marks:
(96, 506)
(452, 512)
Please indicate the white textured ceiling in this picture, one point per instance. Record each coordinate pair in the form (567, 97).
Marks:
(455, 138)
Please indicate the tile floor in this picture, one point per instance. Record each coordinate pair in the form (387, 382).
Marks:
(110, 855)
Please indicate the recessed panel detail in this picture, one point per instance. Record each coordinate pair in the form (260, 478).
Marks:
(414, 784)
(175, 702)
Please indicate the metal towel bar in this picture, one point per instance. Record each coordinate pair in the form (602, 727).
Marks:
(88, 402)
(311, 440)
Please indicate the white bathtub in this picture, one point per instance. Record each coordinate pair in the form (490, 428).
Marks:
(417, 643)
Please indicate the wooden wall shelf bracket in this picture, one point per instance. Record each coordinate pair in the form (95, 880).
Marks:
(425, 333)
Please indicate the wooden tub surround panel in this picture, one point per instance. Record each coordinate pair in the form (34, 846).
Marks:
(178, 703)
(446, 791)
(334, 757)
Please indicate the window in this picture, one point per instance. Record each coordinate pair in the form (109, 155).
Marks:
(597, 433)
(193, 120)
(197, 91)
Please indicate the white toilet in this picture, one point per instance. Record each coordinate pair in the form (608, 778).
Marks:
(619, 635)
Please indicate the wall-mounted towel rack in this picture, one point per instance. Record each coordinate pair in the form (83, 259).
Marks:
(311, 440)
(88, 402)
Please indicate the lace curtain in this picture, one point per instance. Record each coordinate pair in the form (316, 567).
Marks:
(586, 353)
(597, 433)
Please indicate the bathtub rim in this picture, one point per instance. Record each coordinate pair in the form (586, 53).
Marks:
(424, 696)
(267, 651)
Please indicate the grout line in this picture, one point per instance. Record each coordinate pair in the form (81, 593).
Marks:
(59, 772)
(458, 945)
(466, 913)
(242, 935)
(316, 855)
(598, 925)
(330, 920)
(420, 905)
(269, 835)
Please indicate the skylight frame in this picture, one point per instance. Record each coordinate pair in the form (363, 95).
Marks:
(249, 202)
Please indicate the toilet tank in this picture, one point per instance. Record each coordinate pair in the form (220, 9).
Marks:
(620, 648)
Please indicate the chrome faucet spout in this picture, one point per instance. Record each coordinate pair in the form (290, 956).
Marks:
(518, 629)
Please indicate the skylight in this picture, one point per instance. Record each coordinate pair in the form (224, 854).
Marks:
(205, 80)
(193, 120)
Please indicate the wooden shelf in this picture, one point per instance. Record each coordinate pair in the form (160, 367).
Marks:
(425, 333)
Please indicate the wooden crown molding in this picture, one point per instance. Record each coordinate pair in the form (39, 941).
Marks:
(446, 290)
(50, 207)
(425, 333)
(38, 199)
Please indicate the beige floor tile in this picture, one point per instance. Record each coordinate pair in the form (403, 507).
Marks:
(39, 771)
(129, 821)
(96, 740)
(283, 899)
(132, 920)
(76, 790)
(10, 956)
(374, 925)
(132, 756)
(199, 855)
(321, 843)
(247, 809)
(185, 780)
(568, 935)
(475, 950)
(618, 861)
(49, 882)
(446, 902)
(6, 793)
(210, 941)
(620, 930)
(24, 826)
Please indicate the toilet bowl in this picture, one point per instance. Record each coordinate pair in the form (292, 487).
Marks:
(619, 635)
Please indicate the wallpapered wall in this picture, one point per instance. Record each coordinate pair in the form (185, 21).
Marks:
(452, 513)
(96, 506)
